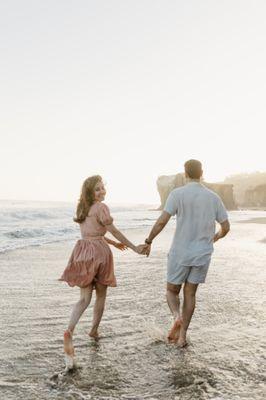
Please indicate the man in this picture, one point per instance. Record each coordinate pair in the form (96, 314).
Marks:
(196, 209)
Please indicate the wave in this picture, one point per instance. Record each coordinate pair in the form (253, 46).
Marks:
(7, 248)
(36, 233)
(24, 225)
(144, 219)
(32, 215)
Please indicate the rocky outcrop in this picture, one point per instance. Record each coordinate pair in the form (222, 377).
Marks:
(256, 197)
(166, 183)
(244, 185)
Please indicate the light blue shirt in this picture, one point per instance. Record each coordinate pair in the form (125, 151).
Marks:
(196, 209)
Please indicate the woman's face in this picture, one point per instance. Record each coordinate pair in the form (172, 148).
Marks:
(99, 192)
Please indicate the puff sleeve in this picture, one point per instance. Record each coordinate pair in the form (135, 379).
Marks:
(103, 215)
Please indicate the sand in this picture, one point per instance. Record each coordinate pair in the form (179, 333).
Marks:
(133, 360)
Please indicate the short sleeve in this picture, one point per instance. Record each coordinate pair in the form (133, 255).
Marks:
(103, 215)
(171, 204)
(221, 213)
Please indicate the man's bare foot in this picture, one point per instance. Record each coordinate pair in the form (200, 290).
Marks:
(94, 334)
(174, 332)
(182, 340)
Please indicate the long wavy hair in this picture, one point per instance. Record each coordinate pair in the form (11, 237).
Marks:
(86, 197)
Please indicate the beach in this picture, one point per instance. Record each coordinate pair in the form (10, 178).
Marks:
(132, 360)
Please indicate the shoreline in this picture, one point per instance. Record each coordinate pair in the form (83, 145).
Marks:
(130, 232)
(259, 220)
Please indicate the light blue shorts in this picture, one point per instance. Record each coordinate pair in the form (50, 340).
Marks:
(182, 274)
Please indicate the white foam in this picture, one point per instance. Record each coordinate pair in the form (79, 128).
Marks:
(154, 331)
(69, 362)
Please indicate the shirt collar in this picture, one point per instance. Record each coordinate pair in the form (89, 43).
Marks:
(193, 183)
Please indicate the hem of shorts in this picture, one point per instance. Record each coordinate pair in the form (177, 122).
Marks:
(174, 283)
(196, 283)
(180, 283)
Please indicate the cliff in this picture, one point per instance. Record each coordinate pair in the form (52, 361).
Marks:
(248, 188)
(256, 197)
(166, 183)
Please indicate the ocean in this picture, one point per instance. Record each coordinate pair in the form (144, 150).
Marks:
(25, 223)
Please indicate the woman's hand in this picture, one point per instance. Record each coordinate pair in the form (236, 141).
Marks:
(120, 246)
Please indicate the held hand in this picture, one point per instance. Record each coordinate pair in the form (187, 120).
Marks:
(147, 249)
(120, 246)
(144, 249)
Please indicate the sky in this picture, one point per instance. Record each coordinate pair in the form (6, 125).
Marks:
(129, 90)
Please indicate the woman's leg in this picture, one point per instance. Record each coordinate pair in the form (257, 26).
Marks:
(78, 310)
(98, 309)
(80, 307)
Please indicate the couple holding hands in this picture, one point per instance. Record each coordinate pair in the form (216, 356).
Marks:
(91, 263)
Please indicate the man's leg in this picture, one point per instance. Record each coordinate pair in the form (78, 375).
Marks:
(172, 296)
(188, 310)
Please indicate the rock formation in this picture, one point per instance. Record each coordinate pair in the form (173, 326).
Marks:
(256, 197)
(244, 185)
(166, 183)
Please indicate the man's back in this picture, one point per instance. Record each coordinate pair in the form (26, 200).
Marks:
(196, 209)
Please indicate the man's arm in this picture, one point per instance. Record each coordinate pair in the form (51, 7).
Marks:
(224, 229)
(158, 226)
(156, 229)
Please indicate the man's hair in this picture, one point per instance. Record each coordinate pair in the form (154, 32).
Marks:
(193, 168)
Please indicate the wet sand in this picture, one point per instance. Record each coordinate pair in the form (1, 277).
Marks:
(254, 221)
(226, 352)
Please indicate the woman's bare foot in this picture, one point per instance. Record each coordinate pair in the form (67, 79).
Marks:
(94, 334)
(174, 332)
(69, 350)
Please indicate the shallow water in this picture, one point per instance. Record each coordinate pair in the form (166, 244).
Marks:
(225, 358)
(25, 223)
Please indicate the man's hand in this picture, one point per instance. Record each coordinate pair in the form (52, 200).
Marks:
(147, 249)
(144, 249)
(216, 237)
(225, 228)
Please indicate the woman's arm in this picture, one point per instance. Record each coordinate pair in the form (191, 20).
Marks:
(109, 241)
(118, 245)
(119, 236)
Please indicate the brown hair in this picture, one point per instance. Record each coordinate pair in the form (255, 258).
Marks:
(193, 168)
(86, 197)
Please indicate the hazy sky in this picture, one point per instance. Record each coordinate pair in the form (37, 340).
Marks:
(130, 90)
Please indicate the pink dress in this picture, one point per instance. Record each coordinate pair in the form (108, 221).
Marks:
(91, 259)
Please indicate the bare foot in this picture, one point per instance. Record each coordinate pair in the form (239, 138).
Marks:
(182, 340)
(94, 334)
(69, 350)
(174, 332)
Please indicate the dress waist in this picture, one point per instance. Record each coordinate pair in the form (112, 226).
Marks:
(99, 237)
